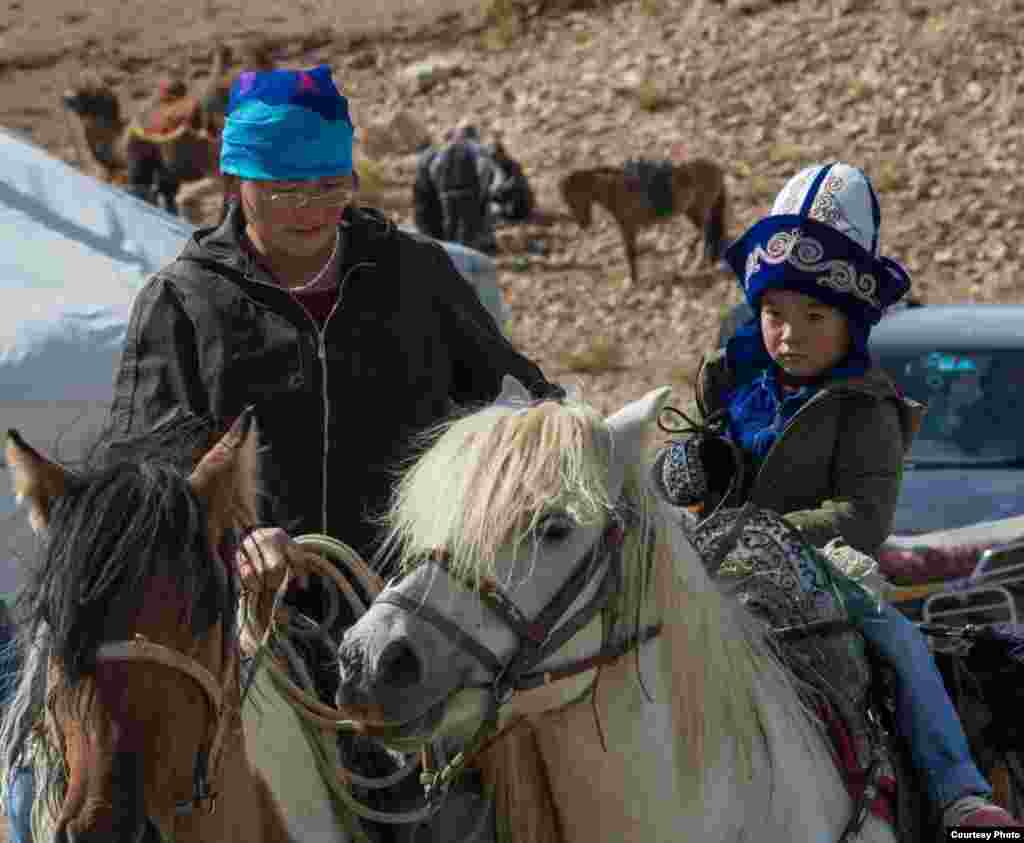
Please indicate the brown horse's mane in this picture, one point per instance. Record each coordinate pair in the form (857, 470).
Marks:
(128, 516)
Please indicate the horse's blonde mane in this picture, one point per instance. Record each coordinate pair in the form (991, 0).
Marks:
(716, 653)
(489, 477)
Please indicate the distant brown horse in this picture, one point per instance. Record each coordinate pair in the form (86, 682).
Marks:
(697, 190)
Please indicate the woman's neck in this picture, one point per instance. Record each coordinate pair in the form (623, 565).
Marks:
(293, 271)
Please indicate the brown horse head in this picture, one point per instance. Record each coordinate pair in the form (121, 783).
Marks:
(577, 193)
(138, 611)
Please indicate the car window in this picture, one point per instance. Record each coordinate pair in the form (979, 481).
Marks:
(975, 403)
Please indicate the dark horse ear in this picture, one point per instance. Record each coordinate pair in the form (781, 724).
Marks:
(226, 480)
(35, 478)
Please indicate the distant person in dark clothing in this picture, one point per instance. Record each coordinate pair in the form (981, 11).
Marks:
(452, 191)
(511, 197)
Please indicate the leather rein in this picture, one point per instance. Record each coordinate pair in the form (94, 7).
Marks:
(216, 691)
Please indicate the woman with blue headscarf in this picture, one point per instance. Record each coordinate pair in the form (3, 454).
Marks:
(348, 335)
(798, 420)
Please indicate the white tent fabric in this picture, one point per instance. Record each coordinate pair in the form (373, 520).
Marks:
(74, 251)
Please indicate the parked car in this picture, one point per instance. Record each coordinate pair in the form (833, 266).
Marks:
(966, 363)
(961, 505)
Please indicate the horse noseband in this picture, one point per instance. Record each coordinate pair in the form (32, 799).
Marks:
(536, 637)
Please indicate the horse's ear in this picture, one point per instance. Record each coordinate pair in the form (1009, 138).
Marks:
(513, 393)
(35, 478)
(226, 478)
(629, 427)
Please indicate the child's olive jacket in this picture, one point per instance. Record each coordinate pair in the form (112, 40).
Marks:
(835, 469)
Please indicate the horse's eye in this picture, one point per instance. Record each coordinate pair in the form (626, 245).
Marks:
(553, 528)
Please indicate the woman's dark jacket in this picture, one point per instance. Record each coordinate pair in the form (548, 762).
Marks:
(212, 333)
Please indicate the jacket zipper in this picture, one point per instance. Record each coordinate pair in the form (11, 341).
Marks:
(322, 356)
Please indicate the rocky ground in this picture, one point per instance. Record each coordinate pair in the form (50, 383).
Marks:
(924, 95)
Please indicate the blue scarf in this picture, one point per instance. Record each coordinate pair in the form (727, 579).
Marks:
(761, 409)
(758, 407)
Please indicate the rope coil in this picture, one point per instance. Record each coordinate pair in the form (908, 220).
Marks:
(320, 720)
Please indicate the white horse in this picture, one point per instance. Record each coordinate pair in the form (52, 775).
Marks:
(697, 734)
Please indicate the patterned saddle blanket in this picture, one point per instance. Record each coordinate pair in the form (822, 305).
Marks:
(785, 582)
(654, 180)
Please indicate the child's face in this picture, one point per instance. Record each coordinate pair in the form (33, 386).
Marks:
(803, 335)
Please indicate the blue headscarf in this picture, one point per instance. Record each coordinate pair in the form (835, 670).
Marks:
(287, 125)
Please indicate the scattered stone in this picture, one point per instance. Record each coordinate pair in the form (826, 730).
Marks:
(398, 133)
(424, 75)
(761, 87)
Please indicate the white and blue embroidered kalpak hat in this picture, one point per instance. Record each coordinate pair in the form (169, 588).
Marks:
(821, 239)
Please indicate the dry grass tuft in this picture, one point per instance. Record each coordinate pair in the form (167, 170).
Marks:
(784, 152)
(373, 180)
(859, 89)
(503, 23)
(888, 175)
(602, 354)
(651, 97)
(762, 187)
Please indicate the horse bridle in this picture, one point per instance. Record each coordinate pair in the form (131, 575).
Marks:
(538, 638)
(217, 693)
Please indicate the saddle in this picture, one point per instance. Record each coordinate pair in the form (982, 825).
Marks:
(792, 587)
(653, 179)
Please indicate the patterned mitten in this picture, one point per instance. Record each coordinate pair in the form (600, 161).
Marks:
(679, 472)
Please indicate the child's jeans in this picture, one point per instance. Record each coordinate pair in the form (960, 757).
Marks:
(925, 717)
(18, 804)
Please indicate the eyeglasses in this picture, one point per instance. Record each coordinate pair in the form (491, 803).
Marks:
(293, 200)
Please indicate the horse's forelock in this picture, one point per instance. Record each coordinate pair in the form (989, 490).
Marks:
(113, 532)
(489, 478)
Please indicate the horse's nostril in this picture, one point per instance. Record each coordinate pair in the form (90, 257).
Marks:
(62, 835)
(398, 666)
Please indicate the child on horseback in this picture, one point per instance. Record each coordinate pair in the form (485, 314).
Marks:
(823, 433)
